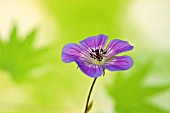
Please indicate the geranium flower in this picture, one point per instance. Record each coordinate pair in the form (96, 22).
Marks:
(92, 58)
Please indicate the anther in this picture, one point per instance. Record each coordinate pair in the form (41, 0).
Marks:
(91, 55)
(101, 50)
(97, 52)
(92, 50)
(104, 52)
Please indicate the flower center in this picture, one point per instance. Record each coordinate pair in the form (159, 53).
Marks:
(97, 55)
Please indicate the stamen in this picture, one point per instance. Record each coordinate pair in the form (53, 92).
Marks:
(92, 50)
(101, 50)
(92, 55)
(97, 52)
(104, 52)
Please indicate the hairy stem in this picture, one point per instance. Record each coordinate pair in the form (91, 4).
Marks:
(88, 98)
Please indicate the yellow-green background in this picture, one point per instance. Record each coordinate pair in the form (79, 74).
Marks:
(33, 79)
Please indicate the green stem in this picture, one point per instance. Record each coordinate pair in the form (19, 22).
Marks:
(88, 98)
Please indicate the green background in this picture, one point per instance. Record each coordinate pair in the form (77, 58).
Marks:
(33, 78)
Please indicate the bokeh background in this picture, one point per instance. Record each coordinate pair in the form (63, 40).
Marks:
(33, 79)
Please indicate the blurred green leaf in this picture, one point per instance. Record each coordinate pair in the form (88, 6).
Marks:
(13, 35)
(130, 93)
(19, 57)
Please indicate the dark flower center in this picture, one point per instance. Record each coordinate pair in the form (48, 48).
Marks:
(97, 54)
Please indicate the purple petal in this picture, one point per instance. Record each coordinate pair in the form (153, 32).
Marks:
(94, 42)
(90, 69)
(119, 63)
(117, 46)
(72, 52)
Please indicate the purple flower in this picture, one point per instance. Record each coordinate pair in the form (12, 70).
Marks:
(93, 59)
